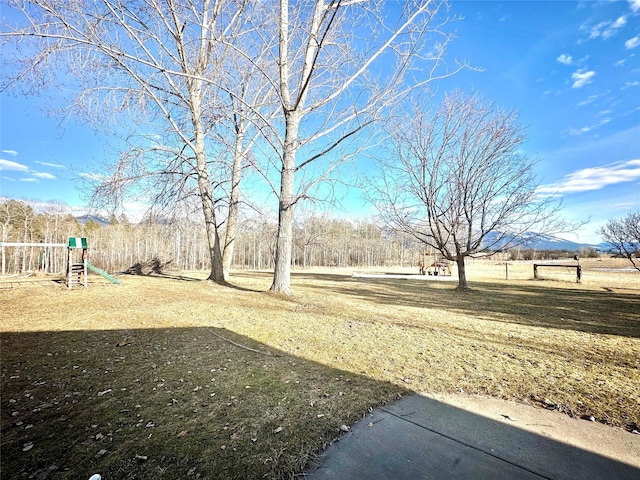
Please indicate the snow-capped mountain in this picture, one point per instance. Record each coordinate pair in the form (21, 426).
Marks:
(538, 241)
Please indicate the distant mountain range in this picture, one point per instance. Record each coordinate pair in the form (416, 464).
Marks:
(546, 242)
(92, 218)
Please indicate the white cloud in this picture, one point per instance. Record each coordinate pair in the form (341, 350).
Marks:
(606, 29)
(44, 175)
(588, 128)
(590, 99)
(13, 153)
(29, 179)
(565, 59)
(595, 178)
(609, 32)
(596, 30)
(582, 78)
(10, 165)
(52, 165)
(135, 210)
(92, 176)
(632, 42)
(635, 5)
(620, 22)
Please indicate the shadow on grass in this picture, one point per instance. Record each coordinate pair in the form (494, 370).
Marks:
(164, 276)
(533, 304)
(183, 278)
(167, 404)
(177, 403)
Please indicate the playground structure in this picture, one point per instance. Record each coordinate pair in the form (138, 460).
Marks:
(434, 264)
(77, 272)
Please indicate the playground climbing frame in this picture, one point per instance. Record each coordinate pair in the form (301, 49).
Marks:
(77, 269)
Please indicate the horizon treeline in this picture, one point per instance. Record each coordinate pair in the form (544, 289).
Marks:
(117, 244)
(181, 242)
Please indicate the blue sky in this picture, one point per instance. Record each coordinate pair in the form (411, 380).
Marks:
(570, 68)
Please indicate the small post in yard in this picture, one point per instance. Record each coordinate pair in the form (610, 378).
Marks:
(506, 270)
(579, 273)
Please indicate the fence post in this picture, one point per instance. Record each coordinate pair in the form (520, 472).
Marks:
(579, 274)
(69, 267)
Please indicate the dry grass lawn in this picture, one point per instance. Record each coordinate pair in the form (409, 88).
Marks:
(146, 379)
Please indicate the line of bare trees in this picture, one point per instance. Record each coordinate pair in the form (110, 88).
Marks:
(206, 93)
(199, 91)
(181, 242)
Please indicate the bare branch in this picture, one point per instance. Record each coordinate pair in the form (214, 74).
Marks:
(456, 181)
(624, 236)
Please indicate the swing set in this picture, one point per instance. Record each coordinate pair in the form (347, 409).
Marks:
(77, 268)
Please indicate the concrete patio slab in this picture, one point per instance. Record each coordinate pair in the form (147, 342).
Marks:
(466, 437)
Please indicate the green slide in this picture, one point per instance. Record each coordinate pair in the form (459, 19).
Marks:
(103, 273)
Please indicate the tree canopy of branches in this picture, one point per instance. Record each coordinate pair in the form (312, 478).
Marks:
(159, 64)
(341, 65)
(298, 80)
(624, 236)
(457, 182)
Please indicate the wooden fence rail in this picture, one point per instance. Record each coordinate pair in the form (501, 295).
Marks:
(578, 268)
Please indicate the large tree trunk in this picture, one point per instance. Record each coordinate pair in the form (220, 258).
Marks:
(284, 239)
(462, 273)
(234, 201)
(213, 238)
(204, 184)
(284, 243)
(208, 209)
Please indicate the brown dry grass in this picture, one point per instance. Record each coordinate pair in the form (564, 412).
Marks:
(198, 406)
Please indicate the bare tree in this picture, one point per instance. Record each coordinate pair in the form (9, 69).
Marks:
(156, 62)
(252, 107)
(9, 212)
(457, 182)
(341, 64)
(624, 236)
(338, 65)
